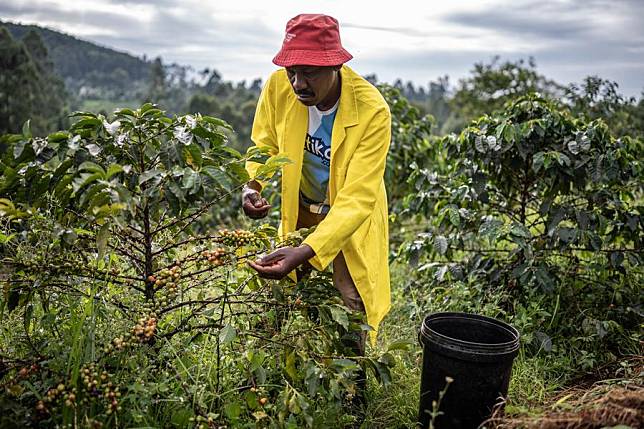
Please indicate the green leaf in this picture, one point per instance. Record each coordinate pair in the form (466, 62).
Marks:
(216, 122)
(400, 345)
(440, 273)
(289, 366)
(151, 112)
(616, 259)
(219, 177)
(189, 179)
(312, 379)
(233, 410)
(595, 240)
(176, 190)
(272, 165)
(573, 147)
(192, 156)
(563, 159)
(345, 364)
(567, 235)
(112, 170)
(91, 167)
(85, 179)
(440, 244)
(101, 240)
(26, 129)
(227, 334)
(146, 107)
(491, 228)
(181, 418)
(520, 230)
(544, 279)
(584, 142)
(480, 144)
(87, 123)
(340, 317)
(82, 113)
(150, 174)
(380, 370)
(18, 148)
(454, 217)
(537, 161)
(238, 172)
(61, 170)
(124, 112)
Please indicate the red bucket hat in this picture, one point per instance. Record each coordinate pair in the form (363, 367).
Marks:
(312, 40)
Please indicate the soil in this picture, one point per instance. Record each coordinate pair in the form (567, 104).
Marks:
(615, 403)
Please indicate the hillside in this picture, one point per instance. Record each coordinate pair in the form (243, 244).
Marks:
(85, 66)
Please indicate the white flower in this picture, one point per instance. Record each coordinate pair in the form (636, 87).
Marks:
(491, 142)
(122, 139)
(111, 128)
(39, 144)
(191, 121)
(74, 143)
(184, 136)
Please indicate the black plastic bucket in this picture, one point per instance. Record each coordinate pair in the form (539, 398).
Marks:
(476, 352)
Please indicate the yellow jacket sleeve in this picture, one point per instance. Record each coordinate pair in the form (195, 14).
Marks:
(263, 132)
(355, 202)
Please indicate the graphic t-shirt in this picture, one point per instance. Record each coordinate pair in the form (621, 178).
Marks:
(317, 159)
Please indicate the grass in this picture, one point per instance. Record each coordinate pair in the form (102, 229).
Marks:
(540, 383)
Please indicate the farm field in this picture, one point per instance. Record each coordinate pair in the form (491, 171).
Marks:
(127, 299)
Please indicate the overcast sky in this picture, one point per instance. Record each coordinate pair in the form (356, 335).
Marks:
(413, 40)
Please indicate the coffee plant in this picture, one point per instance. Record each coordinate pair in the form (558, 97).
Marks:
(124, 304)
(537, 215)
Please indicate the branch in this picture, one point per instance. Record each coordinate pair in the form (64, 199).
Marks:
(181, 243)
(180, 329)
(192, 217)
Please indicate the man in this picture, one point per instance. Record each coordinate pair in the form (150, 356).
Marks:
(335, 127)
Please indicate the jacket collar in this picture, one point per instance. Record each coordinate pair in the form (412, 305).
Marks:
(348, 108)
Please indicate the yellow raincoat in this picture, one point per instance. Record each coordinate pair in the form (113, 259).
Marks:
(357, 220)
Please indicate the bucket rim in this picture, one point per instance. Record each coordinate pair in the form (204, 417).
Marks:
(472, 347)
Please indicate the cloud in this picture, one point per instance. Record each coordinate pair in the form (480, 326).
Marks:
(569, 38)
(398, 30)
(518, 23)
(92, 21)
(556, 21)
(177, 34)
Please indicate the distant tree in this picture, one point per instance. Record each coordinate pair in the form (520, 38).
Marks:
(157, 88)
(224, 89)
(53, 99)
(491, 85)
(598, 98)
(21, 85)
(213, 81)
(204, 104)
(437, 101)
(256, 86)
(371, 78)
(410, 91)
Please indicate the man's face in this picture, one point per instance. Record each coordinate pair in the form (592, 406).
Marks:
(315, 86)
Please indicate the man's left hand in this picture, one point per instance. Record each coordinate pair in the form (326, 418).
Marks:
(278, 264)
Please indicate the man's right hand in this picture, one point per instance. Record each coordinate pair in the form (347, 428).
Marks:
(253, 204)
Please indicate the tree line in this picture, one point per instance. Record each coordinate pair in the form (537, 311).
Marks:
(46, 75)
